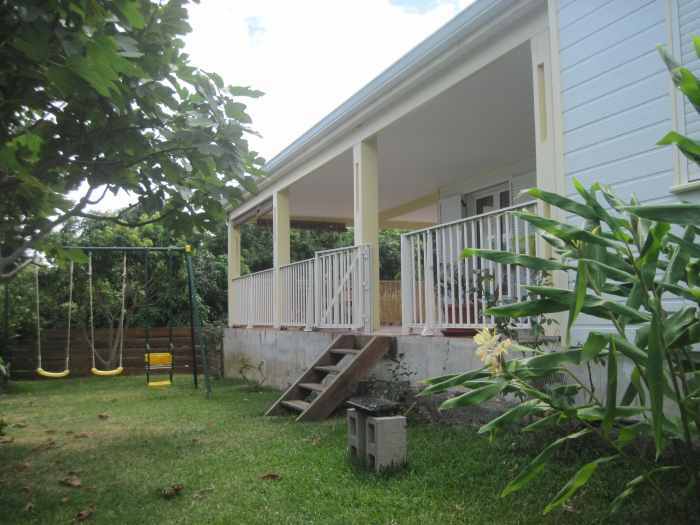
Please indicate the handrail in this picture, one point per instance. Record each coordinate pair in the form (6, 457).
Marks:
(295, 263)
(324, 252)
(252, 274)
(471, 218)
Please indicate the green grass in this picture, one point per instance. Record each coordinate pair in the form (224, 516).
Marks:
(219, 450)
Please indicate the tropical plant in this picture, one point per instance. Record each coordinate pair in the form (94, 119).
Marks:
(637, 268)
(98, 97)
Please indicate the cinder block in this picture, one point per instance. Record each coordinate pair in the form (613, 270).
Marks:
(386, 442)
(356, 434)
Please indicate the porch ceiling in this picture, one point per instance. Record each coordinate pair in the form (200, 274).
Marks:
(482, 123)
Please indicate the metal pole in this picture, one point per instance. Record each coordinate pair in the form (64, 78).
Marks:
(196, 322)
(193, 329)
(6, 324)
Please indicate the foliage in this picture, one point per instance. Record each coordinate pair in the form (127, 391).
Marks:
(637, 268)
(98, 97)
(630, 267)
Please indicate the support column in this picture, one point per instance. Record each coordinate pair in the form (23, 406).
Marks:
(366, 214)
(234, 265)
(280, 249)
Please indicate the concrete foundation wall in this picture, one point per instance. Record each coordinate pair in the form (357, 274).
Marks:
(278, 357)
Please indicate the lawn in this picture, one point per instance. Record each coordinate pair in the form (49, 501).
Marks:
(124, 444)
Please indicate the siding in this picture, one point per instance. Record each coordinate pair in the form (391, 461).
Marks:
(616, 101)
(688, 27)
(615, 95)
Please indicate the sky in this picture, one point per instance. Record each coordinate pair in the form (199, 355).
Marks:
(307, 56)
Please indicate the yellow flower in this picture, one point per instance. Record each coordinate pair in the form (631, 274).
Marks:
(491, 350)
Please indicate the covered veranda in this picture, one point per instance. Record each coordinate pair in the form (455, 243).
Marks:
(442, 155)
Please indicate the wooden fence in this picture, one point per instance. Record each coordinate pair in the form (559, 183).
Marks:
(390, 302)
(23, 355)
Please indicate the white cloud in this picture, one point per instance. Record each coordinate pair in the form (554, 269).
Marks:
(308, 56)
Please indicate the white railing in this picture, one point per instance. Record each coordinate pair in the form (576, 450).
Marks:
(342, 288)
(297, 294)
(440, 289)
(253, 304)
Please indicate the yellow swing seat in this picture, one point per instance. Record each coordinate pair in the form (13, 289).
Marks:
(107, 373)
(52, 375)
(156, 384)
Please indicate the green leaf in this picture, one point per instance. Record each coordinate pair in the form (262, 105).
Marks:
(132, 12)
(536, 466)
(611, 390)
(576, 482)
(655, 381)
(528, 308)
(565, 231)
(526, 408)
(474, 397)
(440, 384)
(563, 203)
(682, 213)
(526, 261)
(593, 346)
(579, 298)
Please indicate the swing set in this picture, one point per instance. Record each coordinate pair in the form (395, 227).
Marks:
(159, 366)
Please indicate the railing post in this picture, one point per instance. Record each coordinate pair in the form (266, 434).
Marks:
(317, 290)
(429, 280)
(309, 309)
(406, 279)
(367, 288)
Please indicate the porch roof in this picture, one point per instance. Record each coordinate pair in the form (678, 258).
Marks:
(478, 23)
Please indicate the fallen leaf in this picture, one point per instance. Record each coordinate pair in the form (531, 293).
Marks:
(271, 477)
(29, 507)
(104, 415)
(199, 494)
(50, 431)
(85, 514)
(6, 440)
(19, 467)
(82, 435)
(27, 489)
(20, 424)
(69, 432)
(71, 481)
(65, 499)
(314, 440)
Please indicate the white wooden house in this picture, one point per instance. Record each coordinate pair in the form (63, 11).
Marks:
(509, 94)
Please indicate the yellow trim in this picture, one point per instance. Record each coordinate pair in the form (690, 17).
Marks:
(53, 375)
(107, 373)
(188, 248)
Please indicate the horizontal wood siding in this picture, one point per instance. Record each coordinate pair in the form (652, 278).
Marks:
(688, 27)
(615, 95)
(616, 100)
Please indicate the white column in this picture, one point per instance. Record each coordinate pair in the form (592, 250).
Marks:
(234, 265)
(280, 249)
(366, 213)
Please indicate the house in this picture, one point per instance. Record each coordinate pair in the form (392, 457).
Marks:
(508, 95)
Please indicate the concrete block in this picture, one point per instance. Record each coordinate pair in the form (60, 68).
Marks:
(356, 434)
(386, 442)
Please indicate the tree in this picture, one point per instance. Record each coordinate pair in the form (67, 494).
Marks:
(97, 96)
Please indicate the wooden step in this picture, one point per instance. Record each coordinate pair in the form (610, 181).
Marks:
(297, 405)
(314, 387)
(329, 369)
(345, 351)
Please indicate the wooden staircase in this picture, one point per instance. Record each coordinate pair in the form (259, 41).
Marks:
(329, 381)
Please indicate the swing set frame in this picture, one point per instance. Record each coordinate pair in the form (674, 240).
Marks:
(198, 342)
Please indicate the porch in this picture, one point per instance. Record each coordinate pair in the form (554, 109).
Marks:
(441, 156)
